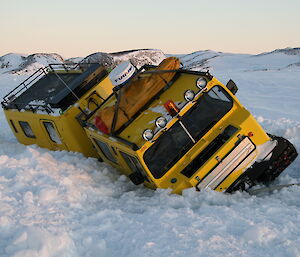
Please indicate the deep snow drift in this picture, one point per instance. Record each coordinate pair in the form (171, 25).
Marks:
(62, 204)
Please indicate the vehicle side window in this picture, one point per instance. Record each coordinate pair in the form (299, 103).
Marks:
(218, 93)
(13, 125)
(27, 129)
(52, 132)
(133, 163)
(105, 150)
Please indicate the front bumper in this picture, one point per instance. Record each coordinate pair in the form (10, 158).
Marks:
(239, 157)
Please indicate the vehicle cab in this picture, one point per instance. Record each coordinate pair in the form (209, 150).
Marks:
(168, 127)
(47, 108)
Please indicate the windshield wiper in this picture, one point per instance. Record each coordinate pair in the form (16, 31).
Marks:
(186, 131)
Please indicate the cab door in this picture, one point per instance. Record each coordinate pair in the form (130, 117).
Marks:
(52, 135)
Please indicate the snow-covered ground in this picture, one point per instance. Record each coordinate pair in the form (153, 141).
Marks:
(62, 204)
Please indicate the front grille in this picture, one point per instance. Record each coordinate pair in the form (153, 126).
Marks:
(239, 157)
(210, 150)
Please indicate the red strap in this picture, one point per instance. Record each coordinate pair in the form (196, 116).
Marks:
(101, 125)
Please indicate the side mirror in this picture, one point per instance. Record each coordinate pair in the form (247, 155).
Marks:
(136, 178)
(232, 86)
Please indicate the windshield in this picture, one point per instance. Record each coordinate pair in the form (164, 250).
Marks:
(175, 142)
(211, 107)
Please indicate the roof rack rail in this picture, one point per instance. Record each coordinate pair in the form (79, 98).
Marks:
(27, 83)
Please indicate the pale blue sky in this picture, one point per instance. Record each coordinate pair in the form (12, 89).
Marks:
(78, 28)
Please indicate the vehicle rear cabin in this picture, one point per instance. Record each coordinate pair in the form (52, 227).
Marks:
(47, 108)
(168, 127)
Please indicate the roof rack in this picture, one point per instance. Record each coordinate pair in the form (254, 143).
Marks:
(18, 99)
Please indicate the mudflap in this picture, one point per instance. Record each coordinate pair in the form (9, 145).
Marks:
(283, 154)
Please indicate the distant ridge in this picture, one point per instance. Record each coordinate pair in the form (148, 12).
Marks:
(287, 51)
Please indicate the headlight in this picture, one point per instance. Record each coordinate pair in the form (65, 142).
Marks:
(189, 95)
(161, 122)
(201, 83)
(148, 134)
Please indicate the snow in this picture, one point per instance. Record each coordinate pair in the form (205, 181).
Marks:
(265, 151)
(160, 109)
(55, 204)
(42, 108)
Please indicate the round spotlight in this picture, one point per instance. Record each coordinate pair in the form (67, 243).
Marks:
(189, 95)
(161, 122)
(148, 134)
(201, 82)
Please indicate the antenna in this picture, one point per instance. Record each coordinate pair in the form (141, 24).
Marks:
(66, 86)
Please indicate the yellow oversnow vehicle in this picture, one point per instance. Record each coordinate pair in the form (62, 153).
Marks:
(47, 108)
(168, 127)
(162, 126)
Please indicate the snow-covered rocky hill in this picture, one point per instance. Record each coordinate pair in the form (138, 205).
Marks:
(27, 64)
(22, 64)
(62, 204)
(137, 57)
